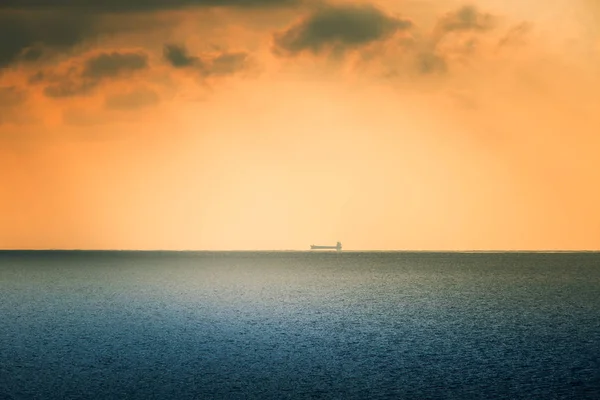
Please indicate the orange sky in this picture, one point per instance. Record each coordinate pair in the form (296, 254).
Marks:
(432, 124)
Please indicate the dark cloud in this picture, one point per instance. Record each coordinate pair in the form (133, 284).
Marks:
(31, 29)
(82, 81)
(178, 56)
(138, 5)
(24, 36)
(225, 63)
(132, 100)
(338, 26)
(114, 64)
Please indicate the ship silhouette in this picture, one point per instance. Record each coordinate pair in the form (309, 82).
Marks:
(337, 247)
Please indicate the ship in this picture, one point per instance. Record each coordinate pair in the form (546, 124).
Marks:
(338, 247)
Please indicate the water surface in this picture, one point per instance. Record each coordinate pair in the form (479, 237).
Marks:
(158, 325)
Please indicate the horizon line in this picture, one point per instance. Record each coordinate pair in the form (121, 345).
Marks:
(304, 250)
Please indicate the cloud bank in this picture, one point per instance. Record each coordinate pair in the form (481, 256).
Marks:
(32, 29)
(74, 49)
(138, 5)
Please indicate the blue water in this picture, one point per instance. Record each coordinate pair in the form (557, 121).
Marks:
(120, 325)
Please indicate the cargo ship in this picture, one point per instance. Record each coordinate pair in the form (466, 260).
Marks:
(337, 247)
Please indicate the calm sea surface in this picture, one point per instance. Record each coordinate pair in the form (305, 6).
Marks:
(136, 325)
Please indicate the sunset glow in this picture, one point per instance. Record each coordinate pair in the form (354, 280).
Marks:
(273, 124)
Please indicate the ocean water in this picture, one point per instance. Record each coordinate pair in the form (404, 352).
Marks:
(299, 325)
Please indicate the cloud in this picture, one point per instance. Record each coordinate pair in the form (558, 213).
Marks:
(114, 64)
(466, 18)
(224, 63)
(178, 56)
(132, 100)
(456, 38)
(26, 36)
(453, 38)
(139, 5)
(33, 29)
(82, 79)
(340, 27)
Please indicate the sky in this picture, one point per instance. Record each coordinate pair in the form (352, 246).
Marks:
(276, 124)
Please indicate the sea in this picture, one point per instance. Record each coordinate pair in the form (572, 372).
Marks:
(299, 325)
